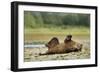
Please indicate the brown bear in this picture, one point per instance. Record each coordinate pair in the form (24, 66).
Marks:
(54, 47)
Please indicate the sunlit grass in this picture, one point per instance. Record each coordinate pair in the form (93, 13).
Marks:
(45, 34)
(59, 31)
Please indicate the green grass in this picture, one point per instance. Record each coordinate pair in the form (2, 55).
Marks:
(45, 34)
(59, 31)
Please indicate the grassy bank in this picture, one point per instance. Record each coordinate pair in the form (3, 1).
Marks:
(45, 34)
(60, 31)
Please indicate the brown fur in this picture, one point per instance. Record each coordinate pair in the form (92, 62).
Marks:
(54, 47)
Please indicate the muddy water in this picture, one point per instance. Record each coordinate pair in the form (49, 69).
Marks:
(46, 37)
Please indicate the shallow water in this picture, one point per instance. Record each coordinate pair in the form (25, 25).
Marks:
(46, 37)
